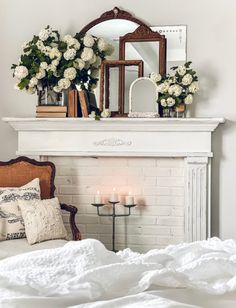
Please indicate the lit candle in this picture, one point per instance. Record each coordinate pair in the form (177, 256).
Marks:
(114, 196)
(129, 200)
(98, 198)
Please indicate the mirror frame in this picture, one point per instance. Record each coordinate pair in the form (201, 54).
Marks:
(116, 13)
(105, 82)
(133, 114)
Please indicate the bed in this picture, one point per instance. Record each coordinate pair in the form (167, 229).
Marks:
(85, 274)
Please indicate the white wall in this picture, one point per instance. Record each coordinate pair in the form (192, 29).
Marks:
(211, 47)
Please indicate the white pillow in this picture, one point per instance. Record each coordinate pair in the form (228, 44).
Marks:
(29, 191)
(43, 220)
(11, 222)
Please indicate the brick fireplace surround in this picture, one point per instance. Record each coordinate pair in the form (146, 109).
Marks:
(166, 163)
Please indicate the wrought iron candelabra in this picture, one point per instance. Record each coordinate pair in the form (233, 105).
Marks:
(113, 215)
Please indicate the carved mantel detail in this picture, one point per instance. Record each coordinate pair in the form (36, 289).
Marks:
(113, 142)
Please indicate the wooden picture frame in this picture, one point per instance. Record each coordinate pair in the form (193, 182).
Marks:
(105, 82)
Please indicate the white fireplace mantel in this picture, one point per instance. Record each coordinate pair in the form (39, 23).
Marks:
(189, 138)
(115, 137)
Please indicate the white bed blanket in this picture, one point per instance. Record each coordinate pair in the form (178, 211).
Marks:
(80, 273)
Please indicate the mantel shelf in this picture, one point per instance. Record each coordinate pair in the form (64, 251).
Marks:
(114, 124)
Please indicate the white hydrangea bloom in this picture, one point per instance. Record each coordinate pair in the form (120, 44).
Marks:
(106, 113)
(44, 65)
(31, 90)
(94, 73)
(33, 82)
(163, 87)
(194, 87)
(57, 89)
(170, 101)
(21, 71)
(92, 115)
(163, 102)
(175, 90)
(102, 44)
(188, 99)
(40, 45)
(88, 41)
(41, 74)
(55, 62)
(110, 49)
(64, 83)
(70, 73)
(43, 35)
(73, 42)
(51, 68)
(187, 79)
(98, 62)
(70, 54)
(54, 53)
(79, 64)
(87, 54)
(181, 70)
(155, 77)
(67, 38)
(93, 60)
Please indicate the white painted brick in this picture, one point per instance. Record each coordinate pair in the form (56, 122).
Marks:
(163, 200)
(98, 228)
(113, 161)
(82, 199)
(170, 162)
(114, 180)
(126, 171)
(156, 230)
(65, 199)
(150, 171)
(166, 240)
(170, 221)
(141, 162)
(177, 191)
(86, 219)
(91, 235)
(177, 172)
(63, 180)
(177, 231)
(177, 211)
(156, 191)
(177, 201)
(163, 171)
(141, 239)
(86, 180)
(170, 182)
(157, 210)
(146, 200)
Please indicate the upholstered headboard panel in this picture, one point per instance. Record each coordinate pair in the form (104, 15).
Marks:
(18, 172)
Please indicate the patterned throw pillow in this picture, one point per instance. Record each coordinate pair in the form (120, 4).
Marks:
(30, 191)
(43, 220)
(11, 222)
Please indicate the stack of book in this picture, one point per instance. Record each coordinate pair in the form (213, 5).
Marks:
(49, 111)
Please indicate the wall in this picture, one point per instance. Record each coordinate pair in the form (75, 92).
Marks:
(211, 47)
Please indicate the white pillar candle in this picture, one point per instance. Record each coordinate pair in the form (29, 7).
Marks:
(129, 200)
(114, 196)
(98, 198)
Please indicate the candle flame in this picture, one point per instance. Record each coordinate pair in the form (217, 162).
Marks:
(98, 192)
(130, 193)
(114, 189)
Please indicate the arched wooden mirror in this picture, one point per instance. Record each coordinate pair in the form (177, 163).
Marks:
(112, 25)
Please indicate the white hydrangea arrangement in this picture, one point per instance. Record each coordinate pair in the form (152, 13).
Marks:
(178, 88)
(49, 61)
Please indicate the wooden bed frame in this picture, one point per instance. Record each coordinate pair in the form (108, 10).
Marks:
(20, 171)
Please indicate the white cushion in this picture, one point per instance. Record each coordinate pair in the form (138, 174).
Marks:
(43, 220)
(15, 247)
(11, 222)
(29, 191)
